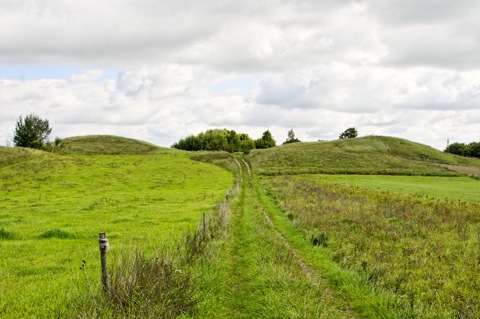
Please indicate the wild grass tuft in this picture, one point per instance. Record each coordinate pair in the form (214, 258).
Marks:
(57, 233)
(160, 286)
(7, 235)
(146, 287)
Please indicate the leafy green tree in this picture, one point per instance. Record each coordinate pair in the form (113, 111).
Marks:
(473, 149)
(31, 131)
(350, 132)
(462, 149)
(266, 141)
(291, 137)
(216, 140)
(190, 143)
(246, 143)
(457, 149)
(233, 141)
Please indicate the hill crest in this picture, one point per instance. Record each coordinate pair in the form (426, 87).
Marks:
(381, 155)
(103, 145)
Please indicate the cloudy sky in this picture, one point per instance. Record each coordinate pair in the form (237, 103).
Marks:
(160, 70)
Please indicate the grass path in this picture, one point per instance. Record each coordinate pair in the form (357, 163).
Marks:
(266, 268)
(264, 277)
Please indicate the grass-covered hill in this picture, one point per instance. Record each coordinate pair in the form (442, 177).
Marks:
(366, 155)
(11, 156)
(103, 144)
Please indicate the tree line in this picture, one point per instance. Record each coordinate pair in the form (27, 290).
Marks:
(462, 149)
(224, 140)
(33, 132)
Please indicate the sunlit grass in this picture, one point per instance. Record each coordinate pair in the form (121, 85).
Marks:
(423, 249)
(375, 155)
(53, 207)
(454, 188)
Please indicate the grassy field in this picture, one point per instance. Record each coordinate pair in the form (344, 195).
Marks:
(373, 227)
(453, 188)
(52, 208)
(414, 238)
(425, 250)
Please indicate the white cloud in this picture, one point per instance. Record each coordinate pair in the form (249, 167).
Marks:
(386, 67)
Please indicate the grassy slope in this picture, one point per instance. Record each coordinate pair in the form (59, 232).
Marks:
(103, 144)
(52, 208)
(424, 250)
(367, 155)
(12, 156)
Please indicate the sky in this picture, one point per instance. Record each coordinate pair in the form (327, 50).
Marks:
(159, 70)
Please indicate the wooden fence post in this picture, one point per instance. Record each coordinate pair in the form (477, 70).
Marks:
(204, 224)
(103, 242)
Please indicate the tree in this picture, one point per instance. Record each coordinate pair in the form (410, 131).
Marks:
(291, 138)
(350, 132)
(266, 141)
(457, 149)
(31, 132)
(462, 149)
(216, 140)
(246, 143)
(473, 149)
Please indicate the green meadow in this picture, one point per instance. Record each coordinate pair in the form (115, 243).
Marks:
(373, 227)
(441, 187)
(52, 208)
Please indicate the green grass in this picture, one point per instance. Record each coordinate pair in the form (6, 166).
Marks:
(12, 156)
(52, 208)
(454, 188)
(375, 155)
(423, 250)
(252, 275)
(102, 144)
(295, 244)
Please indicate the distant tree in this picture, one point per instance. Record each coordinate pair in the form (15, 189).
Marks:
(462, 149)
(291, 138)
(457, 149)
(190, 143)
(233, 141)
(350, 132)
(246, 143)
(31, 132)
(473, 149)
(266, 141)
(216, 140)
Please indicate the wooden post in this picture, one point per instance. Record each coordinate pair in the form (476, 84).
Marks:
(103, 242)
(204, 224)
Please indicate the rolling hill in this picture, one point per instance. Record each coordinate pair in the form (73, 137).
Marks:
(105, 145)
(371, 155)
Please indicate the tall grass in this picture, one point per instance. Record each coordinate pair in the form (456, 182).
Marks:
(425, 250)
(159, 286)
